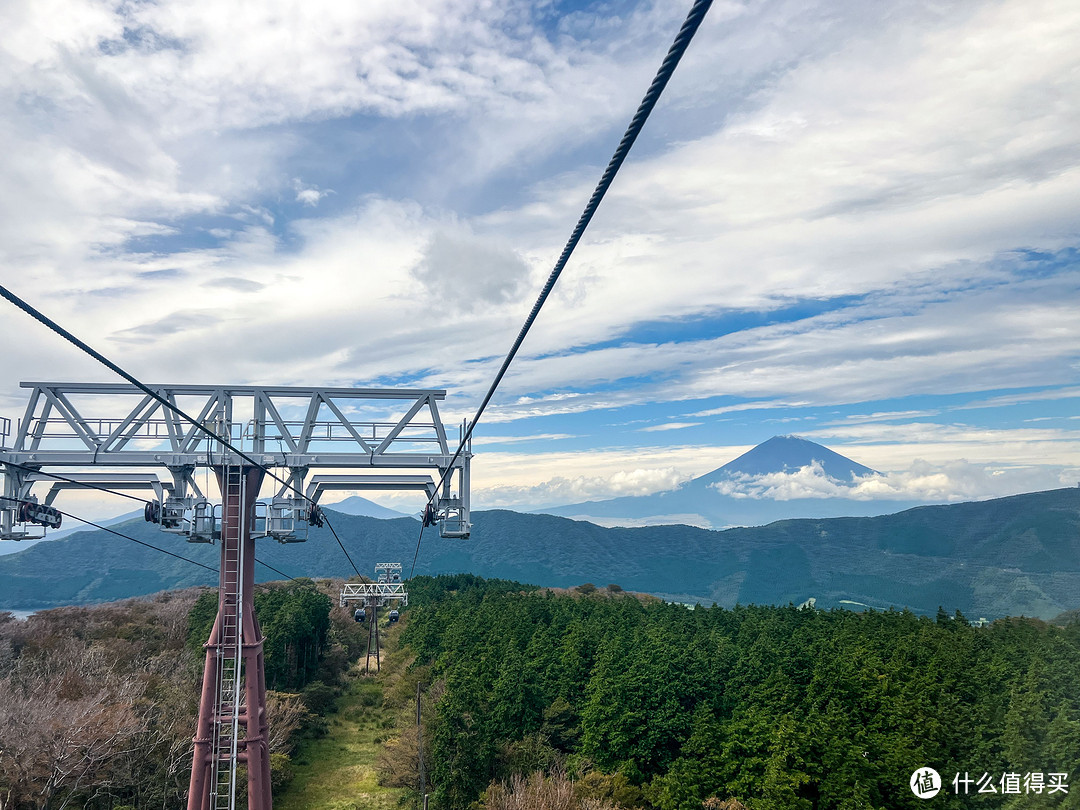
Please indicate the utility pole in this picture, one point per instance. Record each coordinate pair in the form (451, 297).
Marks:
(420, 748)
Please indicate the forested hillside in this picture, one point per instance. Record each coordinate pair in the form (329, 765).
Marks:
(1009, 556)
(580, 700)
(655, 705)
(98, 705)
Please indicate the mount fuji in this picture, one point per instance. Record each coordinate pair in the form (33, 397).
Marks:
(776, 480)
(788, 454)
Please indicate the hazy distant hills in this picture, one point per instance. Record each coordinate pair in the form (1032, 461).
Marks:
(355, 505)
(701, 502)
(1010, 556)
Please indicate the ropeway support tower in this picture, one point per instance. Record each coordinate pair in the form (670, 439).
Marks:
(97, 434)
(387, 588)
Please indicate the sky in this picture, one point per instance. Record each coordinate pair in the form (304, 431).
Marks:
(847, 221)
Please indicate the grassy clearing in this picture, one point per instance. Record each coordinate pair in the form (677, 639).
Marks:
(337, 772)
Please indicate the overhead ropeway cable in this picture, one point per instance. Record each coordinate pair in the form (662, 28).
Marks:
(154, 395)
(652, 95)
(107, 491)
(125, 536)
(330, 526)
(165, 551)
(40, 317)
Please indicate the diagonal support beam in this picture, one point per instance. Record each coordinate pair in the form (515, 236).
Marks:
(347, 425)
(401, 425)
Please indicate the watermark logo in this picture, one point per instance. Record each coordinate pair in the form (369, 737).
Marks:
(1010, 782)
(925, 783)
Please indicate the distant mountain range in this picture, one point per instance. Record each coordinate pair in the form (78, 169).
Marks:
(719, 499)
(788, 454)
(1010, 556)
(355, 505)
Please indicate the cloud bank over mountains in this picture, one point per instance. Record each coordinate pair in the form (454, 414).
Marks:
(777, 478)
(957, 481)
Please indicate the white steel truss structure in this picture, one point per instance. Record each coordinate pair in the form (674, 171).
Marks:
(388, 572)
(372, 596)
(382, 592)
(296, 430)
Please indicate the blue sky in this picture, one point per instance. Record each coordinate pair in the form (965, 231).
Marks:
(851, 222)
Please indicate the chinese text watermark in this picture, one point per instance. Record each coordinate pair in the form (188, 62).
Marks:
(927, 783)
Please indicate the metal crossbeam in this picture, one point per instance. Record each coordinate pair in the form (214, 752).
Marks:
(117, 425)
(288, 427)
(362, 591)
(322, 483)
(114, 481)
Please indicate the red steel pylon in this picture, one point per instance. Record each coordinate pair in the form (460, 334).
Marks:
(232, 724)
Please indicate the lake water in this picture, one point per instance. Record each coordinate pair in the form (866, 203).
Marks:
(21, 615)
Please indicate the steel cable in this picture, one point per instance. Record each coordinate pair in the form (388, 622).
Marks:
(109, 364)
(68, 336)
(118, 534)
(122, 495)
(652, 95)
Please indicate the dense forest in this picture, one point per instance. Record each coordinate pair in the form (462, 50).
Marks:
(589, 699)
(650, 704)
(98, 705)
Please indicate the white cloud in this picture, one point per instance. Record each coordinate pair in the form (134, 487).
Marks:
(200, 65)
(536, 437)
(460, 270)
(915, 194)
(888, 416)
(931, 433)
(563, 489)
(820, 185)
(747, 406)
(807, 482)
(669, 426)
(1019, 399)
(1008, 337)
(493, 469)
(135, 112)
(921, 462)
(309, 195)
(922, 481)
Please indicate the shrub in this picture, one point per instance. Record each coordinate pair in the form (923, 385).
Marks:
(281, 771)
(319, 698)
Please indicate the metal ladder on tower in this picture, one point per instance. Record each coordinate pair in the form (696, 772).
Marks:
(230, 643)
